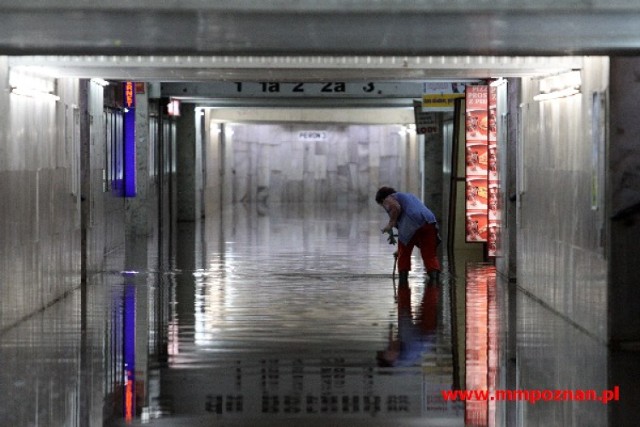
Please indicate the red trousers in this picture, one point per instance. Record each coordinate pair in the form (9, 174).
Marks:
(426, 238)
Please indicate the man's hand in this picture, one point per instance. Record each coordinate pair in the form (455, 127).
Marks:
(392, 238)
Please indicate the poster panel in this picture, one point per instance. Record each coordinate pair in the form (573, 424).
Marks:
(493, 177)
(477, 162)
(476, 159)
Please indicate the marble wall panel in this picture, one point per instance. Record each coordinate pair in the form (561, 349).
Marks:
(336, 167)
(321, 148)
(276, 186)
(342, 179)
(263, 165)
(241, 169)
(388, 172)
(320, 169)
(332, 183)
(294, 191)
(332, 159)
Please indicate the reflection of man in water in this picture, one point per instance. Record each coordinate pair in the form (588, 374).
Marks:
(413, 337)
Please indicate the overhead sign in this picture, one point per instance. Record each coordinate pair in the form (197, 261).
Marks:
(426, 123)
(129, 95)
(441, 96)
(332, 89)
(312, 135)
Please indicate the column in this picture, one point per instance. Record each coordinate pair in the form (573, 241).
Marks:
(186, 164)
(623, 255)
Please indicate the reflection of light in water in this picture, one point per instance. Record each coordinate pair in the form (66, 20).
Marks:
(492, 340)
(302, 296)
(173, 347)
(129, 397)
(129, 351)
(481, 342)
(213, 298)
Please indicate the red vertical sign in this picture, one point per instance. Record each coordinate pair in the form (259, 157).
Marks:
(493, 177)
(476, 158)
(483, 215)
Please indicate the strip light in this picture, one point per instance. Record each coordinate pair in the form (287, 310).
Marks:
(34, 93)
(560, 86)
(557, 94)
(99, 81)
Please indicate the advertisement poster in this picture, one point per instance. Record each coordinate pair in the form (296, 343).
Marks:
(477, 226)
(477, 162)
(482, 198)
(492, 119)
(477, 122)
(426, 122)
(476, 158)
(493, 177)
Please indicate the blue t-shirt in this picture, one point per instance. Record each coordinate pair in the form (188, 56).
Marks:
(413, 216)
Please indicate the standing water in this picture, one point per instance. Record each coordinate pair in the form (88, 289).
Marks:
(284, 316)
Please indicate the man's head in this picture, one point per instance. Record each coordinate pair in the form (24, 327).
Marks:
(382, 194)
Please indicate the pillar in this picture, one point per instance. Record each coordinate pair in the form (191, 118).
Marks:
(623, 252)
(85, 179)
(138, 212)
(433, 176)
(186, 164)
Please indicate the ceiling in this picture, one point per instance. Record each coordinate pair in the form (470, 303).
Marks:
(292, 68)
(328, 27)
(311, 41)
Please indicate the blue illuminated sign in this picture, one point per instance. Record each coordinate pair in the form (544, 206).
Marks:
(129, 139)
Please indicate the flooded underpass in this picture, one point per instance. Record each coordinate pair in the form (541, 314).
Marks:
(280, 316)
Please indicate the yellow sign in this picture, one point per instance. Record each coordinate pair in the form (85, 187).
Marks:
(440, 100)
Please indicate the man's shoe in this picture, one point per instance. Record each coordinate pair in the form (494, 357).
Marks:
(404, 277)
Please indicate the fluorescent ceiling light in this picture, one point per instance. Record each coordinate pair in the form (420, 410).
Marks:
(563, 93)
(101, 82)
(34, 93)
(559, 86)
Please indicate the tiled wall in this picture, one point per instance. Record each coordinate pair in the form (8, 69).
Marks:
(40, 193)
(560, 255)
(39, 213)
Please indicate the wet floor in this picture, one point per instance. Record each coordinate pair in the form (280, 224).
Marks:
(254, 317)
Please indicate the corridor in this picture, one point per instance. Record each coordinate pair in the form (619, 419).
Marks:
(187, 233)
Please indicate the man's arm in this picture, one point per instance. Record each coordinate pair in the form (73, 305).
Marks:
(393, 208)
